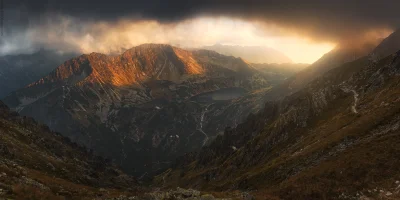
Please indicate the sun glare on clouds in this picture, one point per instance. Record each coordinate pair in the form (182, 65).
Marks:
(205, 31)
(106, 37)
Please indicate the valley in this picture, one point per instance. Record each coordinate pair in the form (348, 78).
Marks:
(153, 103)
(162, 122)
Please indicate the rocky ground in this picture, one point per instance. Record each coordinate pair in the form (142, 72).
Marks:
(184, 194)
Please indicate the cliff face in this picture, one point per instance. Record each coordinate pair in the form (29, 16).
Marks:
(336, 138)
(143, 105)
(37, 163)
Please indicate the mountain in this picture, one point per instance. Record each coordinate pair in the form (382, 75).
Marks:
(36, 163)
(16, 71)
(337, 138)
(153, 103)
(341, 54)
(388, 46)
(290, 78)
(253, 54)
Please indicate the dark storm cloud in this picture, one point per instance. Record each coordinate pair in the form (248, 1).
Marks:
(325, 19)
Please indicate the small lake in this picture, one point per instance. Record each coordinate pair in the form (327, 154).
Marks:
(220, 95)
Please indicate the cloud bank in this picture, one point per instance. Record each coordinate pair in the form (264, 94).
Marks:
(100, 25)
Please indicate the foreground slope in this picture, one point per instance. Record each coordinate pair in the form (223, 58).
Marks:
(335, 139)
(36, 163)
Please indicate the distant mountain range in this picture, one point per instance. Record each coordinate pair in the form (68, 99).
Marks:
(17, 71)
(252, 54)
(280, 71)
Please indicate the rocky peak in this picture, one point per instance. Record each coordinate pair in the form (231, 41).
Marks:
(148, 61)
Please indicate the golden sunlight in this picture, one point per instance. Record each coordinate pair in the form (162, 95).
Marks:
(194, 33)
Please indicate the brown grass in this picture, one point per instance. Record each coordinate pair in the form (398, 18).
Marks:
(25, 192)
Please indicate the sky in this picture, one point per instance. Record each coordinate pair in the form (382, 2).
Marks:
(303, 30)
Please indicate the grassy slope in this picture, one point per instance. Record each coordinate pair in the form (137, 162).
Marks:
(39, 164)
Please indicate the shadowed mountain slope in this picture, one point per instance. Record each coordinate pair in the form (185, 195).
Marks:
(37, 163)
(336, 138)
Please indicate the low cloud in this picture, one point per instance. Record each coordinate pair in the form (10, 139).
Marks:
(87, 26)
(319, 19)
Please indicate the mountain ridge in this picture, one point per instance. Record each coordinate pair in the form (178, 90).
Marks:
(133, 66)
(254, 54)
